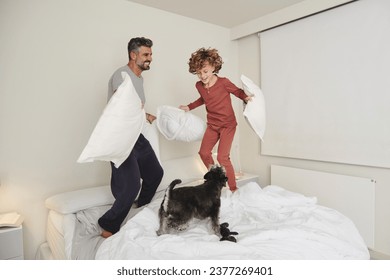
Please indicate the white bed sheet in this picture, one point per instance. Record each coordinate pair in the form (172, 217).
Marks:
(84, 233)
(272, 223)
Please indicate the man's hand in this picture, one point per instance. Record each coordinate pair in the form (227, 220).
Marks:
(150, 118)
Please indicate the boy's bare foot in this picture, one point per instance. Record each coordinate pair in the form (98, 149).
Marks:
(106, 234)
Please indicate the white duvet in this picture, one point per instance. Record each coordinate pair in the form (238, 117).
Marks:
(272, 223)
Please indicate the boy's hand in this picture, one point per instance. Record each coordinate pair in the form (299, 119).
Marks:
(184, 108)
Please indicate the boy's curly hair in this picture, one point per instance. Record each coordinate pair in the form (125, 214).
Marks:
(199, 58)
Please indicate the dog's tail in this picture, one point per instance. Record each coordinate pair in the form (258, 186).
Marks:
(168, 193)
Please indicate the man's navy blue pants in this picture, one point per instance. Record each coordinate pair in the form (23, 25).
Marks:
(140, 171)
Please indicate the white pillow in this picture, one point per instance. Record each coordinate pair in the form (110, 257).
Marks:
(74, 201)
(150, 132)
(176, 124)
(187, 169)
(118, 127)
(254, 111)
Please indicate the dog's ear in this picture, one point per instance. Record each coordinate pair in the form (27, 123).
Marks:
(208, 176)
(222, 177)
(216, 173)
(211, 174)
(222, 174)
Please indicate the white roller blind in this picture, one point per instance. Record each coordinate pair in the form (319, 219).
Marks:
(326, 81)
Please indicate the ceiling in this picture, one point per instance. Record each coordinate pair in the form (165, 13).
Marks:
(225, 13)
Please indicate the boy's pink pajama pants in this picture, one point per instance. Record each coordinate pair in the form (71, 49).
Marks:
(225, 135)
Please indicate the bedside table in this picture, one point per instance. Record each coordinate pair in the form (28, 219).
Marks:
(245, 178)
(11, 243)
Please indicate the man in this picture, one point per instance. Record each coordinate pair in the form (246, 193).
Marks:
(142, 162)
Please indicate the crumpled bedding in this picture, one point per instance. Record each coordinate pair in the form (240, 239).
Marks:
(272, 223)
(86, 237)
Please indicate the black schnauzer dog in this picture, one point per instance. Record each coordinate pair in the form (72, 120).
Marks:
(181, 205)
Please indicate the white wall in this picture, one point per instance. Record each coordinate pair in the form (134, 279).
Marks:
(55, 61)
(253, 161)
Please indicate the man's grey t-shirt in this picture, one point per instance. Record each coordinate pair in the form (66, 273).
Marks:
(116, 80)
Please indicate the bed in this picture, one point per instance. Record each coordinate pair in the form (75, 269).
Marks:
(272, 223)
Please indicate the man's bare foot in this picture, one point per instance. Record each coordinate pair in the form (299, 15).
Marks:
(106, 234)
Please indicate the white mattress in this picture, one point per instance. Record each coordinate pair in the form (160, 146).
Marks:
(74, 236)
(44, 252)
(55, 235)
(59, 234)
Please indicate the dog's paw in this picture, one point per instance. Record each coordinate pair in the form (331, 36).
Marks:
(229, 238)
(225, 225)
(182, 227)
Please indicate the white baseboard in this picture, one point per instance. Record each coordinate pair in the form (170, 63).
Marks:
(375, 255)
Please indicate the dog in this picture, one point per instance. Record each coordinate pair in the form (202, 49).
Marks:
(203, 201)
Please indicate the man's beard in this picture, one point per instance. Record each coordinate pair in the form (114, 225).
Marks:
(144, 66)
